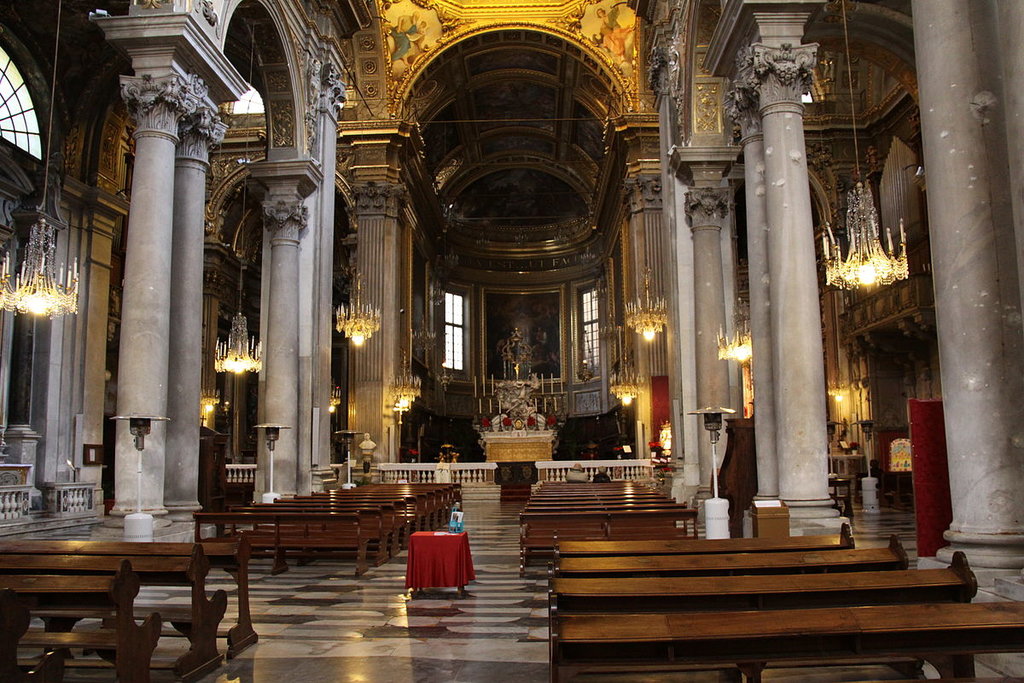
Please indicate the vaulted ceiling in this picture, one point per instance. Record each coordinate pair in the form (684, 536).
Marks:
(514, 126)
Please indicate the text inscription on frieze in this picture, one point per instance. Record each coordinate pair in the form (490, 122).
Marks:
(530, 264)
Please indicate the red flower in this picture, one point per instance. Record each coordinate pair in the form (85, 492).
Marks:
(486, 422)
(551, 420)
(654, 444)
(531, 421)
(507, 421)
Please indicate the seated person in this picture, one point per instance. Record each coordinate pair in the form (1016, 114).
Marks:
(602, 476)
(577, 475)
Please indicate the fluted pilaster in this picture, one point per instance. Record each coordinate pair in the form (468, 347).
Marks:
(379, 259)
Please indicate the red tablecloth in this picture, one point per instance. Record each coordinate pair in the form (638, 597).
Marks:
(438, 559)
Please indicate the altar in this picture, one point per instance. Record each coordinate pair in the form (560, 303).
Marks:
(525, 426)
(518, 445)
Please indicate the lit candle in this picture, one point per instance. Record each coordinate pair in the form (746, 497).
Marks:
(903, 236)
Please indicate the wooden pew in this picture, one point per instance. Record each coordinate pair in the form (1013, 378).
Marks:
(198, 621)
(127, 645)
(842, 541)
(229, 554)
(729, 564)
(538, 531)
(305, 535)
(946, 635)
(780, 591)
(395, 524)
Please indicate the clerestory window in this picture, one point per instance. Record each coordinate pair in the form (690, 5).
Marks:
(19, 124)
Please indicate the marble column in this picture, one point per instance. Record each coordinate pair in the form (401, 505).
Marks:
(197, 132)
(783, 73)
(708, 210)
(285, 216)
(157, 105)
(379, 257)
(742, 105)
(974, 264)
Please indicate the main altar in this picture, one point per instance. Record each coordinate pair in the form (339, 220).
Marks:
(525, 425)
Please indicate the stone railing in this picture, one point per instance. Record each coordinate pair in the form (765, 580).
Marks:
(465, 473)
(71, 498)
(14, 501)
(241, 473)
(618, 470)
(483, 472)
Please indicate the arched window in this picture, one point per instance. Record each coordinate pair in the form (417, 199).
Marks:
(250, 103)
(18, 122)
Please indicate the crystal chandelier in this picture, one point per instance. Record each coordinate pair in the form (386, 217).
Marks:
(209, 399)
(357, 320)
(865, 262)
(240, 353)
(738, 347)
(405, 387)
(625, 383)
(423, 339)
(647, 315)
(335, 400)
(39, 288)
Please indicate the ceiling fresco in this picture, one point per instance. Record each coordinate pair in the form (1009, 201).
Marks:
(416, 31)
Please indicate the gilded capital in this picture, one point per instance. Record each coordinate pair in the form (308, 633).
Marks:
(158, 104)
(708, 206)
(285, 218)
(783, 73)
(198, 132)
(643, 193)
(375, 198)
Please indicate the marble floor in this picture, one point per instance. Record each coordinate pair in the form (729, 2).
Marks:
(318, 624)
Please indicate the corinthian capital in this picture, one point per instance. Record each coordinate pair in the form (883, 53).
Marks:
(332, 94)
(783, 73)
(643, 193)
(199, 131)
(708, 206)
(742, 102)
(158, 104)
(284, 218)
(373, 198)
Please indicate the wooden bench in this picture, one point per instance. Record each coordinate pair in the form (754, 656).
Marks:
(729, 564)
(780, 591)
(946, 635)
(303, 535)
(121, 642)
(842, 541)
(539, 532)
(395, 524)
(198, 621)
(231, 555)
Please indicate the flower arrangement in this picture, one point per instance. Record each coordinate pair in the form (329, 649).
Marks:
(551, 420)
(506, 421)
(531, 421)
(486, 422)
